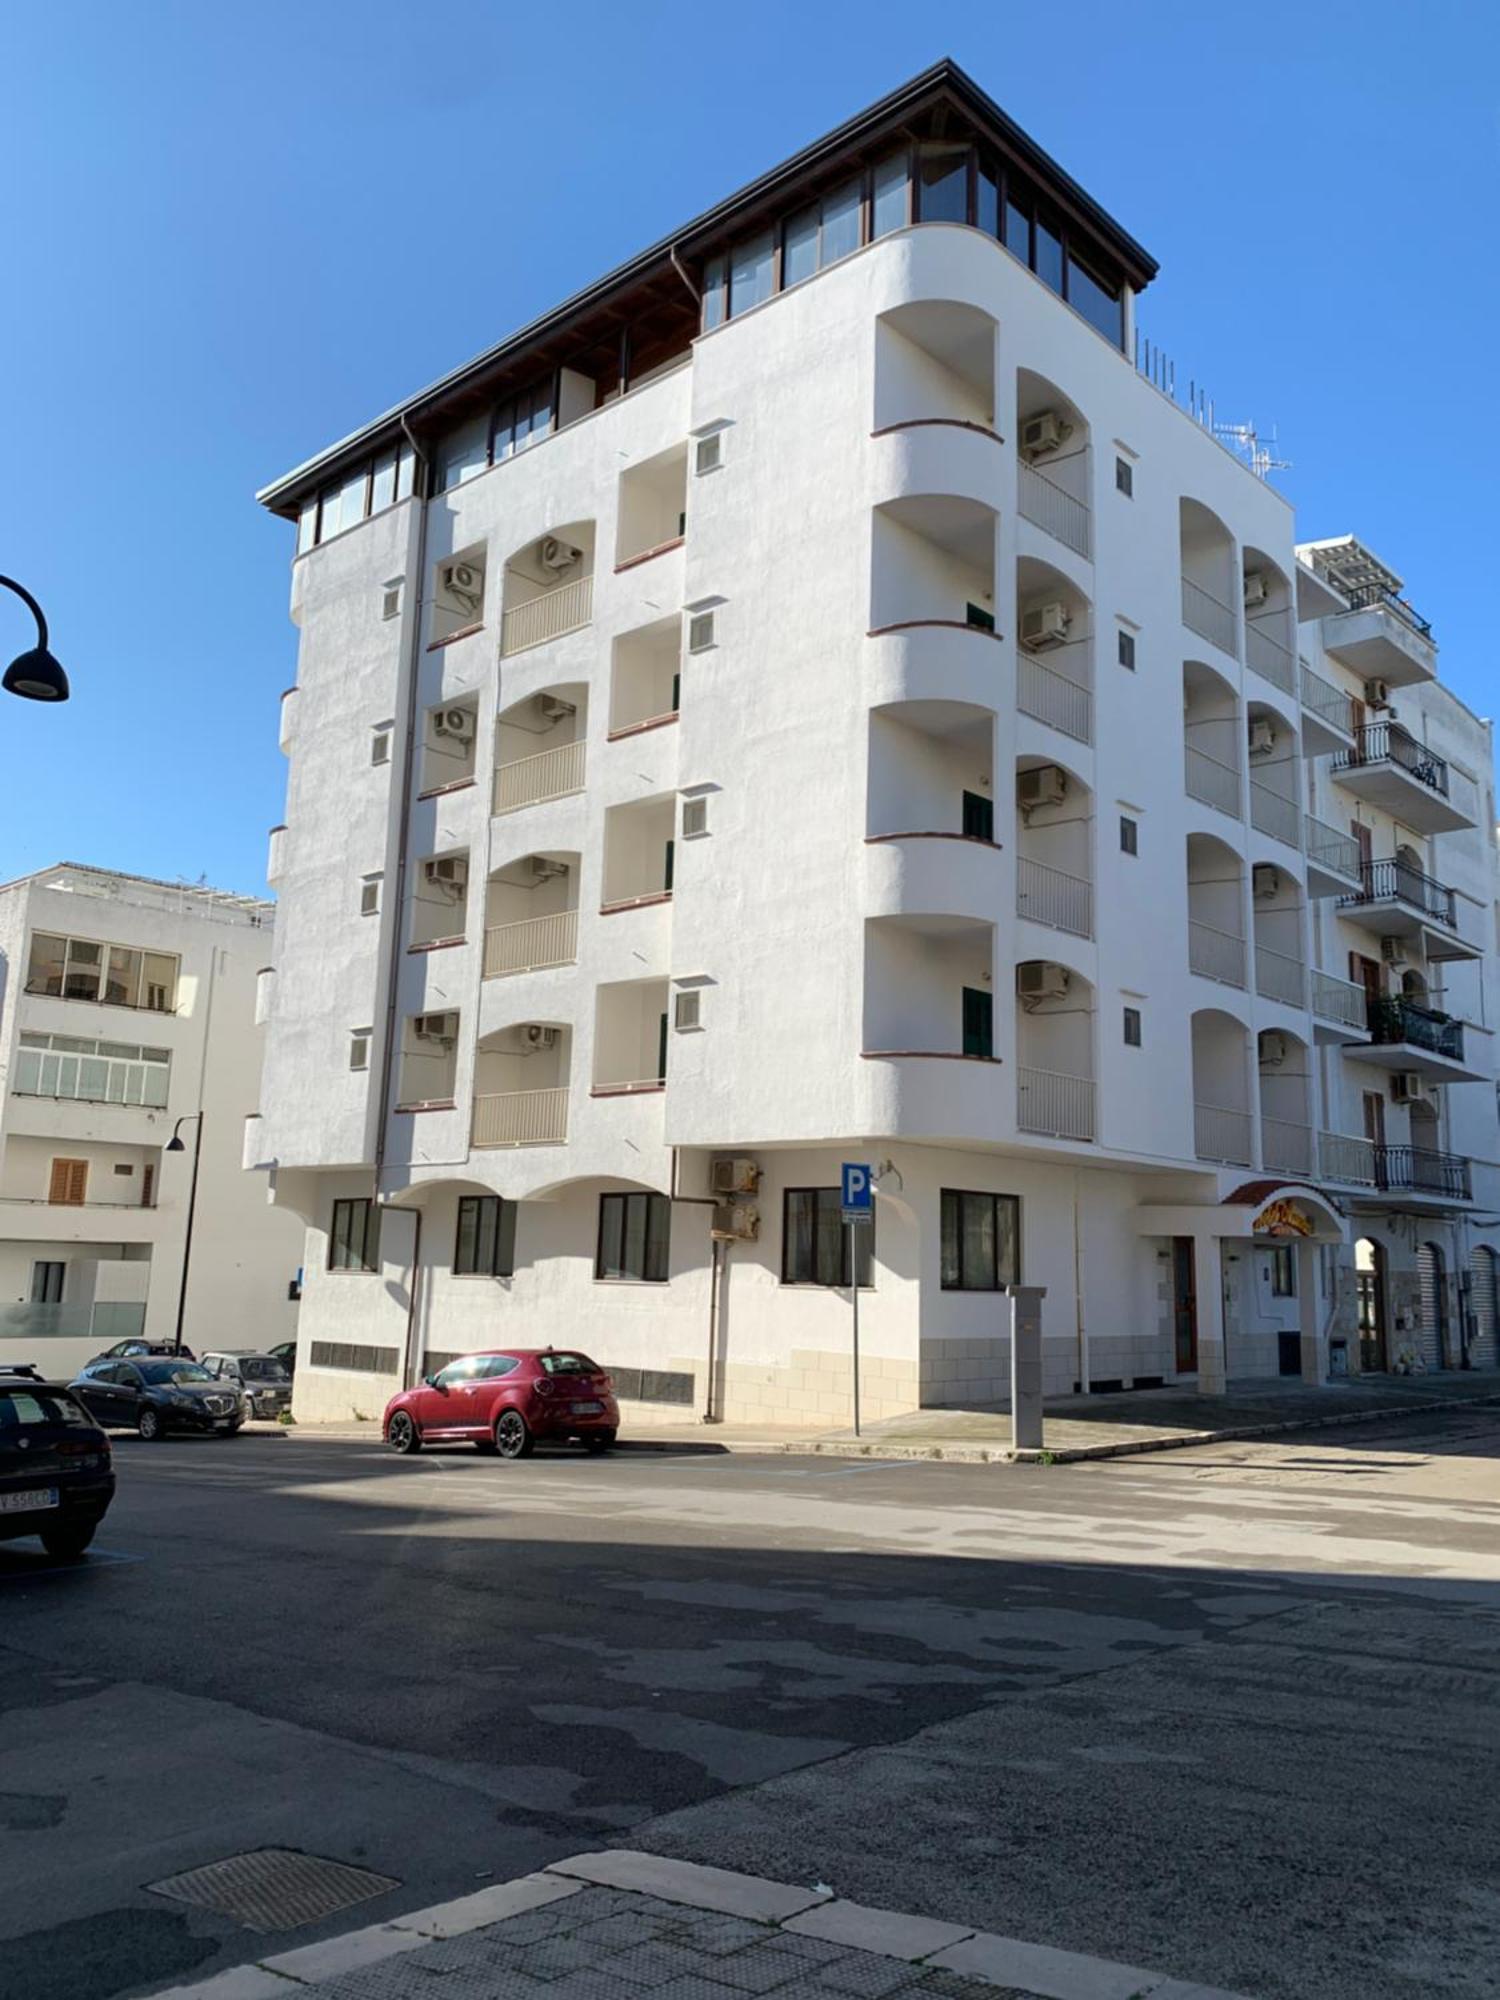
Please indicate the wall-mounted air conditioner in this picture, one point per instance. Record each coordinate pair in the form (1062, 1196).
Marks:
(1038, 980)
(538, 1036)
(1256, 591)
(735, 1222)
(734, 1176)
(1393, 950)
(1378, 694)
(448, 871)
(457, 723)
(1406, 1086)
(545, 869)
(1262, 737)
(464, 582)
(1043, 433)
(558, 555)
(1044, 626)
(436, 1028)
(1265, 880)
(554, 708)
(1045, 785)
(1273, 1048)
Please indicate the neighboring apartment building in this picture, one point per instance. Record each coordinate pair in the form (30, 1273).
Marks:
(808, 698)
(127, 1007)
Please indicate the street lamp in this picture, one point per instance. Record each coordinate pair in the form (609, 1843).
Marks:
(175, 1145)
(34, 675)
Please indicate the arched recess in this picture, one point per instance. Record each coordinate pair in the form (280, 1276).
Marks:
(1277, 912)
(1216, 910)
(540, 746)
(1275, 759)
(1270, 620)
(1210, 578)
(1054, 459)
(1484, 1308)
(931, 770)
(521, 1080)
(1054, 836)
(1223, 1124)
(531, 913)
(1055, 649)
(1055, 1007)
(548, 588)
(1284, 1062)
(1211, 738)
(934, 364)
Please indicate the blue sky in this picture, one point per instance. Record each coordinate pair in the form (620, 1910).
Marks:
(226, 246)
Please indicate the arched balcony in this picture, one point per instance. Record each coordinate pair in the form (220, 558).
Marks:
(1223, 1125)
(1053, 463)
(1270, 620)
(548, 588)
(1276, 904)
(1054, 650)
(1284, 1063)
(521, 1075)
(933, 563)
(1210, 577)
(1054, 847)
(930, 811)
(929, 986)
(1275, 757)
(1211, 737)
(935, 365)
(540, 747)
(1216, 911)
(531, 914)
(1055, 1092)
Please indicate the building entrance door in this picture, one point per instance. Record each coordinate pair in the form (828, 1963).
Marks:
(1369, 1278)
(1184, 1307)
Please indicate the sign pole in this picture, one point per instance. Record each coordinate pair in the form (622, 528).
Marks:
(857, 1183)
(854, 1300)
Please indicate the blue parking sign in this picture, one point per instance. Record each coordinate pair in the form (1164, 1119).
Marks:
(857, 1192)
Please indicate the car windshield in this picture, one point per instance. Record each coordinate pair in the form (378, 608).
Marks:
(158, 1372)
(262, 1369)
(23, 1409)
(567, 1364)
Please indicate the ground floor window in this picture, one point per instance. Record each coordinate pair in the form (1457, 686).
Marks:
(815, 1240)
(354, 1237)
(981, 1241)
(46, 1283)
(485, 1246)
(635, 1235)
(1284, 1271)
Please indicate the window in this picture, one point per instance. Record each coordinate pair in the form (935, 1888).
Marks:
(1125, 648)
(708, 453)
(354, 1237)
(368, 489)
(1283, 1260)
(694, 818)
(359, 1048)
(686, 1011)
(1132, 1020)
(713, 294)
(752, 272)
(390, 599)
(1125, 478)
(889, 207)
(842, 221)
(942, 183)
(1047, 260)
(1018, 232)
(47, 1284)
(92, 1072)
(486, 1242)
(981, 1241)
(634, 1237)
(69, 1182)
(979, 816)
(1102, 307)
(380, 745)
(799, 246)
(978, 1021)
(815, 1240)
(987, 199)
(700, 631)
(523, 420)
(979, 618)
(369, 896)
(1129, 835)
(118, 975)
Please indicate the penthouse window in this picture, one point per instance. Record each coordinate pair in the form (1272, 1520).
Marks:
(367, 488)
(521, 420)
(114, 975)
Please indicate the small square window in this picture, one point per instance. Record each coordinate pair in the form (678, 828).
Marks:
(979, 618)
(708, 455)
(694, 818)
(686, 1011)
(369, 896)
(380, 747)
(390, 600)
(1129, 835)
(359, 1048)
(1132, 1027)
(1125, 648)
(1125, 477)
(700, 631)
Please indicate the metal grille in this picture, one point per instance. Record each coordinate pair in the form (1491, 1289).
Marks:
(1431, 1279)
(274, 1888)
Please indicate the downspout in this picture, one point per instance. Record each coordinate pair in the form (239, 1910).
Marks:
(409, 1358)
(1083, 1336)
(681, 269)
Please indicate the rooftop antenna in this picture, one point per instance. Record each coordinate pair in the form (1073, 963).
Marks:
(1245, 441)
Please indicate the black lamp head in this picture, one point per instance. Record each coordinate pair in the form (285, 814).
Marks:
(36, 676)
(175, 1145)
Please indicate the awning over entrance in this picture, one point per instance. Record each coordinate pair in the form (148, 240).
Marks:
(1277, 1211)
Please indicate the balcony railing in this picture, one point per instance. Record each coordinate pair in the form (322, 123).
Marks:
(1052, 698)
(1322, 699)
(1216, 954)
(1364, 596)
(1214, 782)
(1271, 658)
(531, 944)
(1049, 896)
(1204, 614)
(1412, 1169)
(522, 1118)
(1286, 1148)
(1399, 882)
(548, 774)
(568, 608)
(1278, 977)
(1052, 510)
(1339, 1000)
(1222, 1135)
(1327, 848)
(1054, 1106)
(1389, 743)
(1274, 814)
(1395, 1023)
(1343, 1157)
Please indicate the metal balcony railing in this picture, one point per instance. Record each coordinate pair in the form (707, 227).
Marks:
(1367, 595)
(1216, 954)
(1222, 1135)
(1212, 781)
(1339, 1000)
(531, 944)
(548, 774)
(1274, 814)
(1053, 1105)
(1399, 1169)
(1396, 1022)
(521, 1118)
(1285, 1147)
(1399, 882)
(1050, 697)
(1278, 977)
(1327, 848)
(1055, 512)
(1389, 743)
(1322, 699)
(1271, 657)
(568, 608)
(1204, 614)
(1049, 896)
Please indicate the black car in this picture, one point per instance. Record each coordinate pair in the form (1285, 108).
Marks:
(285, 1351)
(267, 1385)
(132, 1350)
(56, 1479)
(160, 1393)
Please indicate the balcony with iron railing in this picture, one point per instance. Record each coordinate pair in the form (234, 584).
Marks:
(1340, 1005)
(1223, 1135)
(1388, 767)
(1213, 782)
(552, 614)
(1391, 888)
(1381, 637)
(1327, 713)
(1206, 615)
(1216, 954)
(1051, 896)
(1269, 654)
(1047, 506)
(1334, 859)
(1351, 1161)
(1396, 1023)
(1052, 1105)
(531, 944)
(546, 774)
(521, 1118)
(1047, 691)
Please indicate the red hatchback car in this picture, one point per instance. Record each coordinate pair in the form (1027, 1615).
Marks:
(504, 1399)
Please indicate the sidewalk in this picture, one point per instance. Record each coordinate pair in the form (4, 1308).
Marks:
(629, 1926)
(1076, 1427)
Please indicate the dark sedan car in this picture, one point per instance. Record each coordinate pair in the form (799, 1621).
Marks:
(56, 1480)
(159, 1393)
(132, 1350)
(267, 1385)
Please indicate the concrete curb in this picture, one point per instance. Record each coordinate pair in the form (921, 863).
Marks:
(924, 1943)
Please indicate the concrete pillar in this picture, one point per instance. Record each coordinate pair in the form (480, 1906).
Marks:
(1309, 1315)
(1025, 1302)
(1208, 1281)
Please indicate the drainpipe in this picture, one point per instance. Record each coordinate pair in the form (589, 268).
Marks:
(413, 1344)
(1083, 1337)
(681, 270)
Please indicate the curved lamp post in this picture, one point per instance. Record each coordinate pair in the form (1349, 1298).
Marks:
(34, 675)
(175, 1145)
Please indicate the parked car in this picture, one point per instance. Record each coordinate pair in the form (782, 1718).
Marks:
(56, 1479)
(267, 1385)
(285, 1351)
(129, 1350)
(155, 1394)
(504, 1399)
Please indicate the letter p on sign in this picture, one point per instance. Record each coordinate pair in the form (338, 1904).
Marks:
(855, 1192)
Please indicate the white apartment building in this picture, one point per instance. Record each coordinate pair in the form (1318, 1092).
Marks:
(127, 1011)
(812, 697)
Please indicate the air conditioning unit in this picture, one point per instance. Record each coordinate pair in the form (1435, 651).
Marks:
(539, 1037)
(1043, 433)
(555, 708)
(436, 1028)
(1043, 626)
(1046, 785)
(1378, 694)
(1265, 879)
(465, 582)
(544, 869)
(1406, 1087)
(1273, 1048)
(558, 555)
(451, 871)
(455, 722)
(1262, 736)
(1255, 589)
(1039, 979)
(1393, 950)
(735, 1222)
(734, 1176)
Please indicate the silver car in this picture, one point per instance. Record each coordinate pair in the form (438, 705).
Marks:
(265, 1381)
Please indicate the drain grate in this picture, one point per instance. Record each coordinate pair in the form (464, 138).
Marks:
(274, 1888)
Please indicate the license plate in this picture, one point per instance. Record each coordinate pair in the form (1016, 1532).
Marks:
(224, 1424)
(28, 1503)
(588, 1409)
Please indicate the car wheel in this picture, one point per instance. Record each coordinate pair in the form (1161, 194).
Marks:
(70, 1539)
(513, 1437)
(597, 1442)
(402, 1434)
(150, 1425)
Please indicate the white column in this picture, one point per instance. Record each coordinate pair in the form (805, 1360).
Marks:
(1310, 1316)
(1208, 1282)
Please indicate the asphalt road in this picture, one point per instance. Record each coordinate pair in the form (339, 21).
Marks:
(1233, 1712)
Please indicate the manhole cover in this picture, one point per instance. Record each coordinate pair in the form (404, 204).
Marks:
(273, 1888)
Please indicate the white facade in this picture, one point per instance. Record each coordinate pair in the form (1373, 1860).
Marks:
(771, 849)
(126, 1005)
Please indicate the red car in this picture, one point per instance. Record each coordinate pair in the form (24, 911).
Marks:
(504, 1399)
